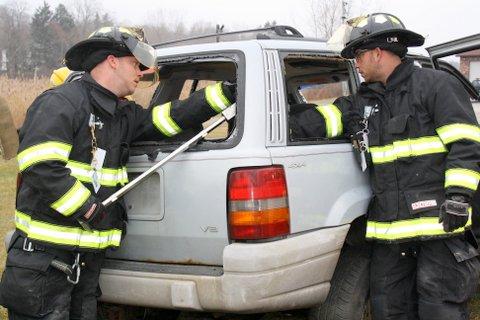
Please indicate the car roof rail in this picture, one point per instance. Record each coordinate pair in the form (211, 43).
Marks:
(275, 32)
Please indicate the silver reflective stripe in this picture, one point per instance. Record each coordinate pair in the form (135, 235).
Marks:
(107, 177)
(462, 178)
(459, 131)
(72, 200)
(163, 121)
(47, 151)
(215, 97)
(62, 235)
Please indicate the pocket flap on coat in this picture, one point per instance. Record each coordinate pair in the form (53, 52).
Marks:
(397, 124)
(461, 250)
(36, 260)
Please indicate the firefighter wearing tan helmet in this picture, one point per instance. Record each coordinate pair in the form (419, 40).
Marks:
(72, 156)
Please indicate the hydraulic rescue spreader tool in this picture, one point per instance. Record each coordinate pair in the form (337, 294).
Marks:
(227, 114)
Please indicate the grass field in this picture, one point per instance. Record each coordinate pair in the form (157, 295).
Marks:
(20, 94)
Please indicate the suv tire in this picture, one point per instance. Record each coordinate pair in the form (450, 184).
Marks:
(348, 296)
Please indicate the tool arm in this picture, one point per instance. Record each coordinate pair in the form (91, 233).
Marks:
(227, 114)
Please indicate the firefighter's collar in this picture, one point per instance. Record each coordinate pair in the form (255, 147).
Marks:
(103, 98)
(400, 73)
(369, 87)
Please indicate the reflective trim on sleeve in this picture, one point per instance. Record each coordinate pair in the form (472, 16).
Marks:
(46, 151)
(458, 131)
(107, 177)
(333, 119)
(163, 121)
(409, 229)
(72, 200)
(407, 148)
(215, 97)
(464, 178)
(70, 236)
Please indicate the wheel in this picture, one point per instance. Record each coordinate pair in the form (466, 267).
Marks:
(348, 296)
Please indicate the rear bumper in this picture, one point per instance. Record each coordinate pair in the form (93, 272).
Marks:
(280, 275)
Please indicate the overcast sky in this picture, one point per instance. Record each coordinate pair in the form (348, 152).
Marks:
(438, 21)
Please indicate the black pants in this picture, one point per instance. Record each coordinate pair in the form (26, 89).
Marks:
(32, 289)
(423, 280)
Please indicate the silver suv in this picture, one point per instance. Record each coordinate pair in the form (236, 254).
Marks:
(249, 220)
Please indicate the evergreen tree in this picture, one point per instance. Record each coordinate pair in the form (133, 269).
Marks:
(102, 21)
(62, 24)
(63, 18)
(43, 55)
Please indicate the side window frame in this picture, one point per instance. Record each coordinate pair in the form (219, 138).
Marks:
(353, 83)
(165, 91)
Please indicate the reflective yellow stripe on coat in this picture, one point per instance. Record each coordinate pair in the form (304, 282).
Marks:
(62, 235)
(46, 151)
(409, 229)
(459, 131)
(407, 148)
(163, 121)
(72, 200)
(462, 178)
(216, 98)
(333, 120)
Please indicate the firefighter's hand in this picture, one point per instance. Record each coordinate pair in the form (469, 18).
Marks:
(230, 91)
(454, 212)
(94, 215)
(353, 123)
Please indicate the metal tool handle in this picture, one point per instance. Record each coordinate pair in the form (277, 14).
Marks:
(227, 114)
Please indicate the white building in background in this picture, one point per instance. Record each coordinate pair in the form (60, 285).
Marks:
(3, 61)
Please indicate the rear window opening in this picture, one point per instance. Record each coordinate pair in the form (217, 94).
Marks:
(314, 80)
(179, 81)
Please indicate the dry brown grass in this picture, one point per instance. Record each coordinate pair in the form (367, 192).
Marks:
(20, 93)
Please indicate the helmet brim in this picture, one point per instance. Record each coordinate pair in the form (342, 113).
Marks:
(77, 54)
(409, 39)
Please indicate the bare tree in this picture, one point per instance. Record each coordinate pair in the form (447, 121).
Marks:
(169, 25)
(88, 15)
(15, 37)
(326, 16)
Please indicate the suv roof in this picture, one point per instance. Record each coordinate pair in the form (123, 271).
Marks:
(285, 32)
(276, 37)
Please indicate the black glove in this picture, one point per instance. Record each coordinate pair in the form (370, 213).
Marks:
(454, 212)
(92, 218)
(230, 91)
(353, 123)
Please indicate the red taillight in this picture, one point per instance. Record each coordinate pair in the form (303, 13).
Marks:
(258, 203)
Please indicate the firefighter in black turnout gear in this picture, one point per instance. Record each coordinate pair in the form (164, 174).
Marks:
(421, 142)
(73, 152)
